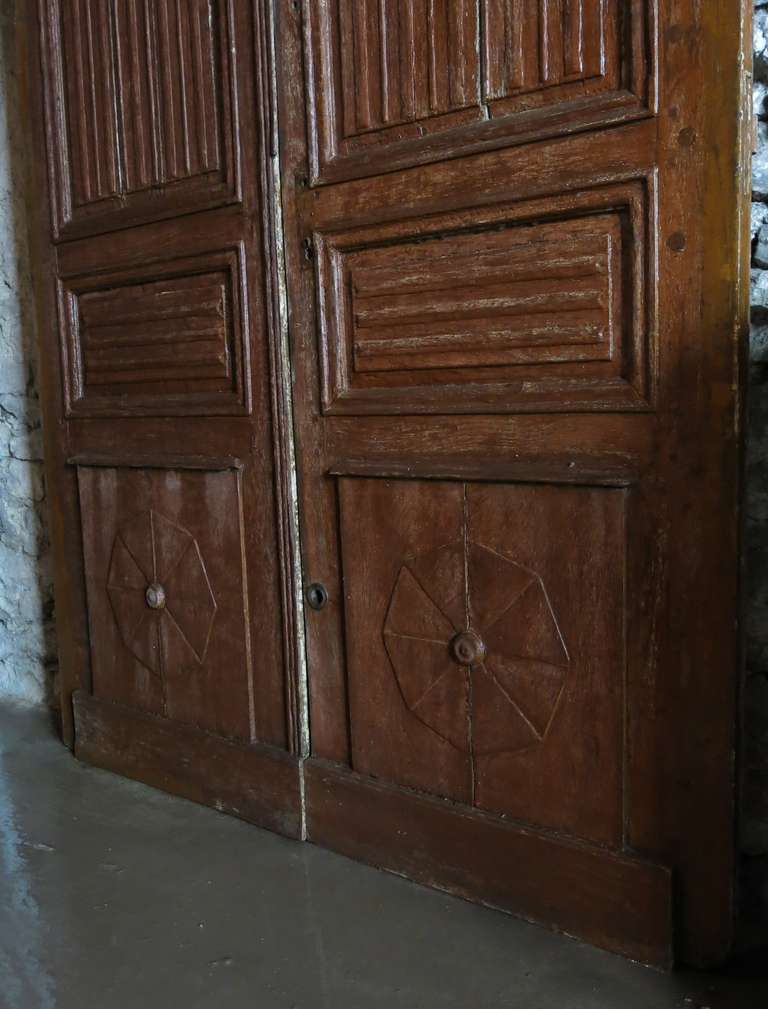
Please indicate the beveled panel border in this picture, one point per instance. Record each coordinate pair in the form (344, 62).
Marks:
(181, 464)
(79, 404)
(489, 124)
(475, 391)
(171, 199)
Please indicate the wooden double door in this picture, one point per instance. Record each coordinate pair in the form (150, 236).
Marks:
(391, 355)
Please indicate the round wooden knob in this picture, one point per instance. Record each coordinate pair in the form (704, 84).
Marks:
(155, 596)
(468, 648)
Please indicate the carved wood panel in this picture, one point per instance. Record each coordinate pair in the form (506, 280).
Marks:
(546, 49)
(167, 593)
(443, 340)
(165, 337)
(406, 61)
(544, 305)
(485, 638)
(507, 280)
(144, 108)
(167, 445)
(395, 82)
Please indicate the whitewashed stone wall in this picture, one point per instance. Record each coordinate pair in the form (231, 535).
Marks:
(27, 649)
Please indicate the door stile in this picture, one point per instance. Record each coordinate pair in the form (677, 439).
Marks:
(282, 393)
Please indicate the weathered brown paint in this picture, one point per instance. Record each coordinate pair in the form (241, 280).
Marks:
(515, 264)
(422, 376)
(165, 425)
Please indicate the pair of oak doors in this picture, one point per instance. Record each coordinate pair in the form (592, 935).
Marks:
(391, 355)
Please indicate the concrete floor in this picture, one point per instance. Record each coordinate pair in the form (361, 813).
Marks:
(115, 896)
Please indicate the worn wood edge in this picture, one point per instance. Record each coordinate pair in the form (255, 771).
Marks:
(748, 935)
(707, 891)
(254, 782)
(500, 131)
(41, 201)
(612, 900)
(284, 438)
(97, 460)
(578, 472)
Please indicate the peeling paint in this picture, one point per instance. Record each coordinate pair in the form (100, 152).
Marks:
(287, 380)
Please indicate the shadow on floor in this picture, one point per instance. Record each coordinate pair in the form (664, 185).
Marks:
(116, 896)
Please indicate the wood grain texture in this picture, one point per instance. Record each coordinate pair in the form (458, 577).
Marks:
(405, 61)
(392, 83)
(160, 421)
(179, 531)
(540, 305)
(618, 902)
(161, 337)
(486, 301)
(425, 175)
(531, 726)
(143, 104)
(137, 121)
(255, 783)
(579, 96)
(543, 48)
(161, 370)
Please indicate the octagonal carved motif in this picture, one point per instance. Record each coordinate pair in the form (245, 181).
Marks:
(476, 649)
(160, 592)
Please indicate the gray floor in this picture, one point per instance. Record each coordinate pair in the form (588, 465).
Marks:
(114, 896)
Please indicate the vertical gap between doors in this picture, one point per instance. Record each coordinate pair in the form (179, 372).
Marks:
(276, 208)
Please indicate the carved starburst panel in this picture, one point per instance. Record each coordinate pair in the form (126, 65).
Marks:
(168, 610)
(476, 648)
(160, 593)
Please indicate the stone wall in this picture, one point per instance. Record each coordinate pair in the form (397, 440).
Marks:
(27, 648)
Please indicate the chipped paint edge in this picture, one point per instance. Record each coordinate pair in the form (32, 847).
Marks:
(286, 378)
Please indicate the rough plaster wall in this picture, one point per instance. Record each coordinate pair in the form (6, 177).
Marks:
(27, 649)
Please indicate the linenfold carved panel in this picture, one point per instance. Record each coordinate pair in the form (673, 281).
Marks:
(545, 49)
(145, 116)
(167, 598)
(485, 642)
(543, 304)
(161, 338)
(398, 82)
(406, 61)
